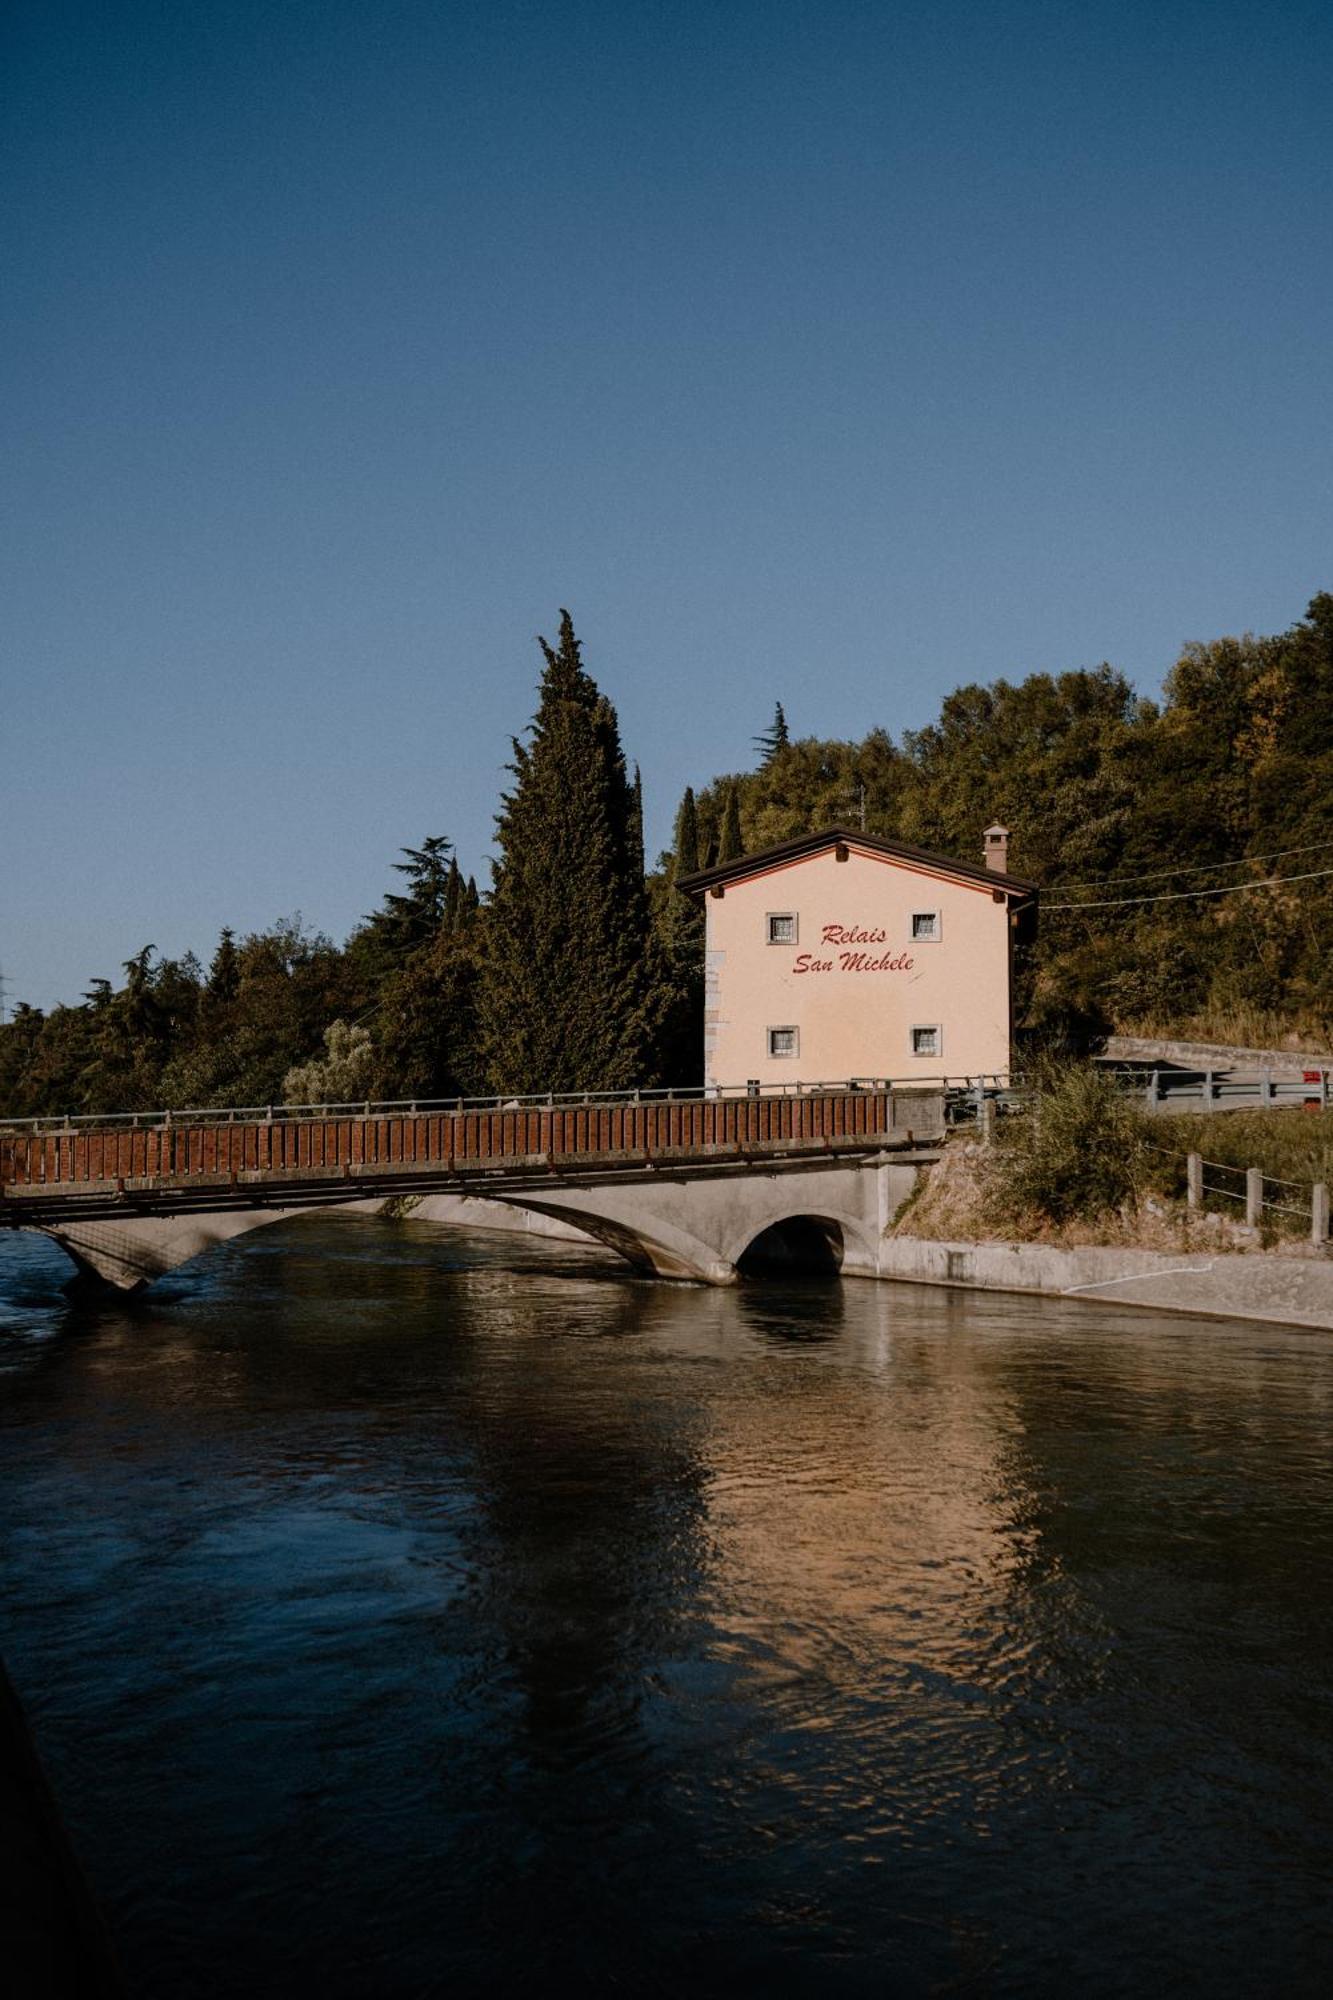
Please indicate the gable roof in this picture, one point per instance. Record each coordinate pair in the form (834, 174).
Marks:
(807, 844)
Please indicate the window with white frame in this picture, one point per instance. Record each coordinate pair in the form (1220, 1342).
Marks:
(784, 1041)
(925, 926)
(927, 1041)
(781, 927)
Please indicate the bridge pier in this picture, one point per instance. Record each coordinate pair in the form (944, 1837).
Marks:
(127, 1255)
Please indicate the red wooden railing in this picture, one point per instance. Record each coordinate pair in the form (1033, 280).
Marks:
(218, 1148)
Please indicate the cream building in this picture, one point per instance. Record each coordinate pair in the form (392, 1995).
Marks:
(840, 955)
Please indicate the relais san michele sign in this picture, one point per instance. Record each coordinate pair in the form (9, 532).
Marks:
(845, 960)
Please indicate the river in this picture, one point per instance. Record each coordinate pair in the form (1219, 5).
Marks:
(405, 1613)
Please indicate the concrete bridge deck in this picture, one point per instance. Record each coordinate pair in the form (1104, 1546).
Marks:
(132, 1197)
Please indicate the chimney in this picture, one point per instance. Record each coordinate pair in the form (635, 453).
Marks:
(995, 848)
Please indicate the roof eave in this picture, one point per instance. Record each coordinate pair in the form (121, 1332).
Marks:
(703, 879)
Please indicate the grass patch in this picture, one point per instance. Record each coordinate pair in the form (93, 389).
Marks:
(1292, 1149)
(1238, 1028)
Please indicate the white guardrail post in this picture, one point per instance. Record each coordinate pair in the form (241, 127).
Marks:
(1319, 1214)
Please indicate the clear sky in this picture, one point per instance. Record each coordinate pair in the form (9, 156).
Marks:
(835, 353)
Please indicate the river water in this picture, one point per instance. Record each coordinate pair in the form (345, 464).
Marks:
(403, 1613)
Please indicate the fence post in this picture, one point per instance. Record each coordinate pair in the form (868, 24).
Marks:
(1319, 1214)
(1194, 1180)
(1254, 1196)
(1267, 1089)
(1210, 1093)
(987, 1121)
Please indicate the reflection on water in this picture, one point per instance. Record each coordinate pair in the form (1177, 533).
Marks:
(403, 1614)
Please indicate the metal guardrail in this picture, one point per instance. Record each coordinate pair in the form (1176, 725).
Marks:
(1227, 1090)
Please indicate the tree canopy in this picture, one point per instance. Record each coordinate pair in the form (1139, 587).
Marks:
(577, 974)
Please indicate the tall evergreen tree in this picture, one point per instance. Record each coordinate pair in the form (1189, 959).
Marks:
(775, 738)
(680, 956)
(731, 845)
(686, 848)
(406, 922)
(223, 974)
(636, 823)
(565, 995)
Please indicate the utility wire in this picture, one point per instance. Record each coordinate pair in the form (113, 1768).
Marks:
(1185, 895)
(1201, 868)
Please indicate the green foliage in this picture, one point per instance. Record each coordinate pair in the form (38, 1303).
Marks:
(566, 998)
(408, 920)
(813, 784)
(731, 843)
(427, 1026)
(1078, 1153)
(774, 739)
(1292, 1145)
(1110, 797)
(341, 1076)
(678, 958)
(686, 847)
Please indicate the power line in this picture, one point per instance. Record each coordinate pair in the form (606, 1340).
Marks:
(1184, 895)
(1200, 868)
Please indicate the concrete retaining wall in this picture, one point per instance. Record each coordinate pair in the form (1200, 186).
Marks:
(1212, 1055)
(1293, 1291)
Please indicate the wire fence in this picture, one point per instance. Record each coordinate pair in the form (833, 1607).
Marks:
(1248, 1187)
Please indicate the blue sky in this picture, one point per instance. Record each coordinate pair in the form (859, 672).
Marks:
(833, 353)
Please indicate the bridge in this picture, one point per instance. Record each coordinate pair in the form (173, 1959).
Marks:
(683, 1184)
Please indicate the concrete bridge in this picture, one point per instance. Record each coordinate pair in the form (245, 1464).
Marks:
(683, 1185)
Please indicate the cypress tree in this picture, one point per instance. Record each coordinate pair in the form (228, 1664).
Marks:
(681, 921)
(731, 846)
(680, 958)
(686, 847)
(224, 975)
(636, 824)
(565, 999)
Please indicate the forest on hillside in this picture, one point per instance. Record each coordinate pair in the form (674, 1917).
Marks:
(1180, 846)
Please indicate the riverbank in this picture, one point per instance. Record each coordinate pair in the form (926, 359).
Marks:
(1078, 1201)
(1287, 1291)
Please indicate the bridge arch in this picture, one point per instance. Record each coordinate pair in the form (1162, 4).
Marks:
(798, 1245)
(702, 1228)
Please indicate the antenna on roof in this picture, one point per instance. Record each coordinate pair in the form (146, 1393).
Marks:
(855, 802)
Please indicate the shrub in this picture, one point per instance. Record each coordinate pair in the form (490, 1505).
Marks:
(1078, 1152)
(340, 1076)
